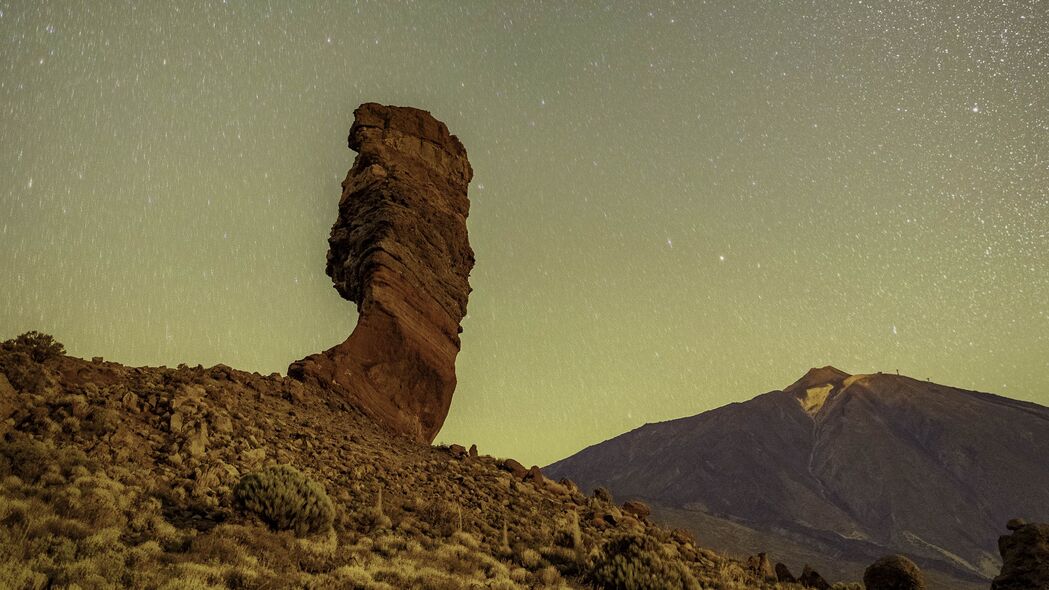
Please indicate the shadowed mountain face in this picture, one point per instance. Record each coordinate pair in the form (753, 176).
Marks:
(852, 467)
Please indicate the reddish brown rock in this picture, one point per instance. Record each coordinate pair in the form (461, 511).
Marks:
(810, 578)
(399, 249)
(534, 475)
(637, 508)
(761, 567)
(514, 466)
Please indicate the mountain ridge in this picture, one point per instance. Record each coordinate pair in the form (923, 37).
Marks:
(857, 468)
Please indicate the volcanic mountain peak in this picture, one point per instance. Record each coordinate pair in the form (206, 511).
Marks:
(856, 465)
(817, 377)
(813, 389)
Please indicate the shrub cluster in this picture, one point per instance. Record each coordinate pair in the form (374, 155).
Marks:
(286, 500)
(39, 347)
(638, 562)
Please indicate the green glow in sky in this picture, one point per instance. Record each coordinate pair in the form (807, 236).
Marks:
(675, 205)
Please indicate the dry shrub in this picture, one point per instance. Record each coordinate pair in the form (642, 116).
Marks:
(286, 500)
(637, 562)
(38, 347)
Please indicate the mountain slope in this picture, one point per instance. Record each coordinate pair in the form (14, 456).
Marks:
(117, 477)
(859, 465)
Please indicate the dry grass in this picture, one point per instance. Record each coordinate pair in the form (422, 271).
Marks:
(121, 478)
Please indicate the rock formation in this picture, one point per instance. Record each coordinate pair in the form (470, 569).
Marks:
(810, 578)
(762, 568)
(783, 574)
(893, 572)
(399, 250)
(1025, 554)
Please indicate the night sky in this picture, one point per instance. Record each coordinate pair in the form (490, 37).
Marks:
(675, 205)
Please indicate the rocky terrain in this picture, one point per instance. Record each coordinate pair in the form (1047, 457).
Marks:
(121, 477)
(201, 478)
(839, 470)
(194, 478)
(399, 249)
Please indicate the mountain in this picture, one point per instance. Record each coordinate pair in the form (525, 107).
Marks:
(838, 469)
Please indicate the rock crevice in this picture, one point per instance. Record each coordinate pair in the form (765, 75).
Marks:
(399, 250)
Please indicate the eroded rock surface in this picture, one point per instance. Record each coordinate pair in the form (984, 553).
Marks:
(1025, 554)
(399, 250)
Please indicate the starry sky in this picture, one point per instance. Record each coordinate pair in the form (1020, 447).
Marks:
(675, 205)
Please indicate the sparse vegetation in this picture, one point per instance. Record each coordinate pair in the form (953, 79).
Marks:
(636, 562)
(135, 478)
(286, 500)
(39, 347)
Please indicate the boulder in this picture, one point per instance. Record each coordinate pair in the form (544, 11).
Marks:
(639, 509)
(783, 574)
(761, 567)
(1025, 558)
(534, 475)
(894, 572)
(514, 467)
(399, 250)
(810, 578)
(1015, 524)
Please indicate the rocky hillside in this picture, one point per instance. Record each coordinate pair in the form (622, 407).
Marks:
(120, 477)
(839, 469)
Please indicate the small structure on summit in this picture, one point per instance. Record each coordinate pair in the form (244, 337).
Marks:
(399, 249)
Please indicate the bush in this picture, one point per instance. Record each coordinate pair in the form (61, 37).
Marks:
(603, 495)
(286, 500)
(635, 562)
(39, 347)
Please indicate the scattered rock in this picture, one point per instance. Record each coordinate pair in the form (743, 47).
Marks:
(683, 536)
(514, 467)
(639, 509)
(1015, 524)
(457, 451)
(893, 572)
(399, 249)
(534, 475)
(1025, 557)
(761, 567)
(176, 423)
(197, 442)
(810, 578)
(569, 485)
(222, 423)
(131, 401)
(473, 451)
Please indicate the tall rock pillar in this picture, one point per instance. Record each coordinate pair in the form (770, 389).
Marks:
(399, 250)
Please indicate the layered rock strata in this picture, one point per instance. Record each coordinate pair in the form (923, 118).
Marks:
(399, 250)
